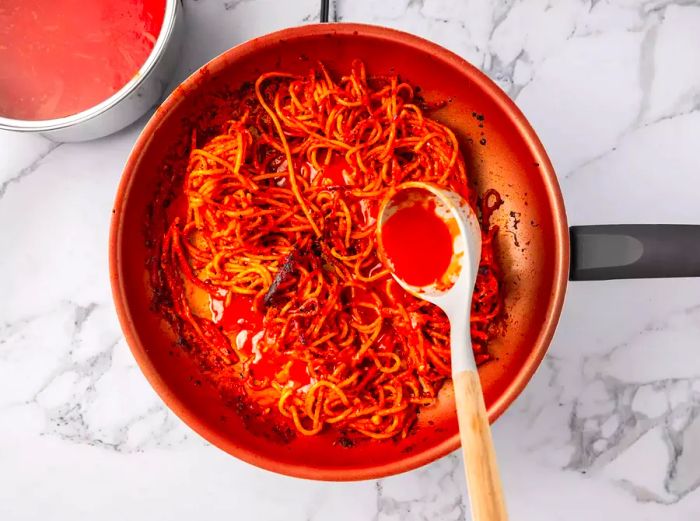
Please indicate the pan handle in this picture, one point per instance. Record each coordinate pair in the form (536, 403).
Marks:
(325, 9)
(634, 251)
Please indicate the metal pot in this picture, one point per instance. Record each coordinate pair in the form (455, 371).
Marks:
(129, 103)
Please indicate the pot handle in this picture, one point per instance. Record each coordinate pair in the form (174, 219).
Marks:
(634, 251)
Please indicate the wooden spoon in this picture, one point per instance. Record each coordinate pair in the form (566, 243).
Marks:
(453, 295)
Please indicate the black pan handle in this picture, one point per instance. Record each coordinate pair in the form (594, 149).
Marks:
(634, 251)
(325, 8)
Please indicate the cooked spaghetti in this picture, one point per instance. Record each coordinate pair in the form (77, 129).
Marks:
(270, 261)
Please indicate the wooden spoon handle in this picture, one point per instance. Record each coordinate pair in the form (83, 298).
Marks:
(480, 464)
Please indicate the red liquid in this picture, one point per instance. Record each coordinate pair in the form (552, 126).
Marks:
(270, 365)
(336, 171)
(240, 317)
(60, 57)
(239, 314)
(418, 243)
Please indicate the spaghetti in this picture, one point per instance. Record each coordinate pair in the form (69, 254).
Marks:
(270, 262)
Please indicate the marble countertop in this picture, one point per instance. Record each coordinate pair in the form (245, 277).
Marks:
(608, 428)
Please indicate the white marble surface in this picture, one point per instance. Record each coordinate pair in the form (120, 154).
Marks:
(609, 427)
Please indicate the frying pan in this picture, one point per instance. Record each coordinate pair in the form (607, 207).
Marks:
(501, 151)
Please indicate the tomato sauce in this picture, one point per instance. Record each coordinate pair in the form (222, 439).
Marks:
(240, 314)
(240, 318)
(418, 244)
(60, 57)
(270, 366)
(336, 172)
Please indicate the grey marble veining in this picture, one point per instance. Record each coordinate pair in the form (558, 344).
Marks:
(608, 428)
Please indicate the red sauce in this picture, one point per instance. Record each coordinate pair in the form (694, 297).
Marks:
(270, 365)
(267, 367)
(238, 319)
(60, 57)
(239, 314)
(298, 373)
(386, 340)
(418, 244)
(336, 171)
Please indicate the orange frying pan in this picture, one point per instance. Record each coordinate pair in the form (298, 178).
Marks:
(502, 152)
